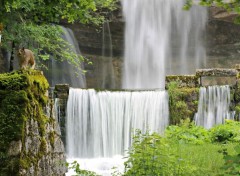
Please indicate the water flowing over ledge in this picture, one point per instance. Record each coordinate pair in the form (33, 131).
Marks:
(213, 107)
(100, 124)
(160, 37)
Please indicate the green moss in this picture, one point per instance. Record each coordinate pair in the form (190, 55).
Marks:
(25, 163)
(12, 116)
(22, 97)
(13, 81)
(43, 147)
(52, 138)
(183, 80)
(183, 102)
(238, 76)
(237, 110)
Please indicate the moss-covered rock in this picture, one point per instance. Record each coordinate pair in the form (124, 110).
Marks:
(216, 72)
(183, 102)
(183, 80)
(23, 99)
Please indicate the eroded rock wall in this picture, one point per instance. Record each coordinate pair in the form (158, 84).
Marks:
(30, 136)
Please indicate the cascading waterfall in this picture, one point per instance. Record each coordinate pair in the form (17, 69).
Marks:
(107, 80)
(99, 124)
(213, 107)
(63, 72)
(161, 37)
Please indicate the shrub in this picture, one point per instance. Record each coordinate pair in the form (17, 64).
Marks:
(152, 155)
(228, 132)
(187, 132)
(232, 163)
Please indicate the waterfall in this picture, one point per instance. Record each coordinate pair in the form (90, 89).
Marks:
(213, 106)
(100, 124)
(106, 71)
(61, 72)
(161, 37)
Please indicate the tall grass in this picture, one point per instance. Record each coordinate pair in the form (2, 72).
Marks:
(205, 159)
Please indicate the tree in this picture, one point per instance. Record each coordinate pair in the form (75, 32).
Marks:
(33, 24)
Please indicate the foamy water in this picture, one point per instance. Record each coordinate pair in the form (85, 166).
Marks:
(101, 166)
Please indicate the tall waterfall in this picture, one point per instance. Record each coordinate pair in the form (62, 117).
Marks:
(213, 107)
(161, 37)
(107, 78)
(100, 124)
(63, 72)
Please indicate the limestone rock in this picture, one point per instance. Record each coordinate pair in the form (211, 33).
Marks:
(222, 14)
(15, 148)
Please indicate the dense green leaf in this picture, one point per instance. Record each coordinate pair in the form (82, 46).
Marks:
(30, 24)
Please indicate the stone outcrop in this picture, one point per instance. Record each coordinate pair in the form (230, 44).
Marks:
(61, 96)
(219, 13)
(30, 136)
(183, 80)
(216, 72)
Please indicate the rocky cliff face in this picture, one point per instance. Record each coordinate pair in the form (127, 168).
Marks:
(105, 72)
(30, 142)
(222, 44)
(223, 39)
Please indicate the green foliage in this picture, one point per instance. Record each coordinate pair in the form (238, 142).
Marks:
(185, 149)
(232, 163)
(237, 109)
(230, 6)
(46, 11)
(76, 167)
(229, 132)
(178, 96)
(187, 132)
(30, 24)
(150, 155)
(204, 159)
(153, 155)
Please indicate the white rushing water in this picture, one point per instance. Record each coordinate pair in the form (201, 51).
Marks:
(61, 72)
(100, 124)
(161, 37)
(213, 107)
(106, 70)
